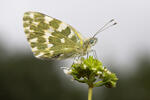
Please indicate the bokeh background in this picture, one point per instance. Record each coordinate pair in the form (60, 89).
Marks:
(124, 48)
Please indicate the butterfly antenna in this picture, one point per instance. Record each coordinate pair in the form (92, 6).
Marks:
(106, 26)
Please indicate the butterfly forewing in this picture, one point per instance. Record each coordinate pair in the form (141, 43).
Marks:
(50, 38)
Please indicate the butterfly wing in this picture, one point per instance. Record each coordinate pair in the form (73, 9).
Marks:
(50, 38)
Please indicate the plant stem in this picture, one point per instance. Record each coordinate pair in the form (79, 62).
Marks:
(90, 93)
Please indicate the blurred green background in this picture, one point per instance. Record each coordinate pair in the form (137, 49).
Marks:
(27, 78)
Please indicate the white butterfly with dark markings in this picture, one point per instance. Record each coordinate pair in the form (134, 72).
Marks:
(50, 38)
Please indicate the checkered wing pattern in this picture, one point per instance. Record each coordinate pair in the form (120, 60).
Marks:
(50, 38)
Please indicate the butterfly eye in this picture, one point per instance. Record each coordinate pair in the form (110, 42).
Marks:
(91, 41)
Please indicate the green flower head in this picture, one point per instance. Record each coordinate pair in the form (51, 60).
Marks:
(92, 72)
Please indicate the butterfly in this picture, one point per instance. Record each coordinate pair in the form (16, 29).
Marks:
(50, 38)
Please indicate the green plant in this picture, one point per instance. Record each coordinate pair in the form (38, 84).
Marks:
(91, 72)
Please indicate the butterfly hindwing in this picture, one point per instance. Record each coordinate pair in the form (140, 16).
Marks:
(50, 38)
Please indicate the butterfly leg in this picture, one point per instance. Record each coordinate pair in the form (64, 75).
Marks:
(87, 55)
(76, 59)
(94, 53)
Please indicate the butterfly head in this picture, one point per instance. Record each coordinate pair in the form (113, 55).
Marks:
(92, 41)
